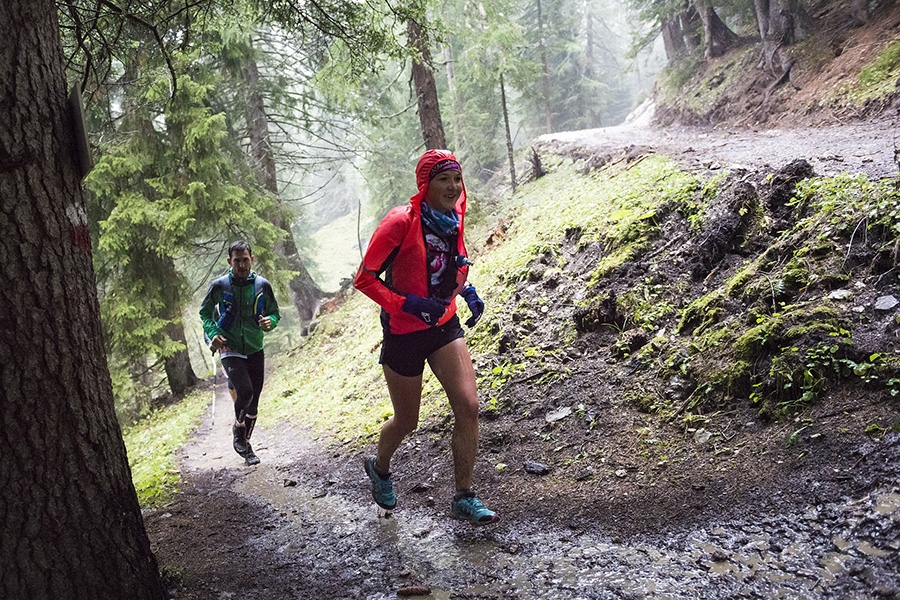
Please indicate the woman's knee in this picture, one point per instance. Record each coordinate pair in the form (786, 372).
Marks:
(465, 409)
(405, 423)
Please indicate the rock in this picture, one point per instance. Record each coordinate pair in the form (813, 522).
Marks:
(536, 468)
(414, 590)
(423, 486)
(886, 303)
(841, 294)
(701, 436)
(584, 474)
(558, 414)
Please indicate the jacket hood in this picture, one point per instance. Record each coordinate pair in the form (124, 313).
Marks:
(423, 169)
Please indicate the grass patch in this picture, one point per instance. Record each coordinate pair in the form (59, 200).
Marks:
(876, 82)
(152, 443)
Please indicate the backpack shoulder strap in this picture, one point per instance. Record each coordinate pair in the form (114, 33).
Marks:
(259, 295)
(223, 282)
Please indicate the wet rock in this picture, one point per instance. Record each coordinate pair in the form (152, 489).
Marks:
(536, 468)
(558, 414)
(886, 303)
(701, 436)
(584, 474)
(678, 388)
(413, 590)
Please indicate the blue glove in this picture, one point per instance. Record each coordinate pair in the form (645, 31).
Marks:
(426, 309)
(476, 305)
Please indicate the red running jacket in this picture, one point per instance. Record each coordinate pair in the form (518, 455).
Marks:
(397, 248)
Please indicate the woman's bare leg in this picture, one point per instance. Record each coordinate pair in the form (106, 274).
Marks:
(406, 396)
(452, 365)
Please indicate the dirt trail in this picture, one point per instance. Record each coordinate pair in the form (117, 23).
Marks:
(302, 525)
(870, 147)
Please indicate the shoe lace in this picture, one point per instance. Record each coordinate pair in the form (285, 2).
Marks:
(470, 505)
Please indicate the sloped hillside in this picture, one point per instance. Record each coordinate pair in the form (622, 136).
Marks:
(839, 72)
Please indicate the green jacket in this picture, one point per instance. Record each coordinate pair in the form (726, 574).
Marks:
(244, 336)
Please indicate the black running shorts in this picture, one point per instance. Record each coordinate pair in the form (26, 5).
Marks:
(406, 353)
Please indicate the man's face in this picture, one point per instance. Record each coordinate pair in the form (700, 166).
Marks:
(240, 262)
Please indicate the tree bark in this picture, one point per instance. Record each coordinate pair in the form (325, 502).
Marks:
(764, 20)
(72, 526)
(717, 36)
(179, 372)
(306, 295)
(860, 11)
(545, 72)
(426, 90)
(673, 39)
(509, 144)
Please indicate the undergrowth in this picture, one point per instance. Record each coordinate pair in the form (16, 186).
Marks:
(153, 442)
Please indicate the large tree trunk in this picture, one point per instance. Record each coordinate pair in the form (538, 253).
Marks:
(718, 37)
(179, 372)
(764, 20)
(306, 295)
(426, 90)
(673, 39)
(72, 526)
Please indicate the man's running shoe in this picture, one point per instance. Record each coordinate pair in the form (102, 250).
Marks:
(382, 487)
(469, 508)
(250, 457)
(239, 433)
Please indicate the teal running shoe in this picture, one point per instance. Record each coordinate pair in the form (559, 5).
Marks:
(470, 508)
(382, 487)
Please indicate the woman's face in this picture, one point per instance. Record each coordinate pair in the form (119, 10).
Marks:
(444, 190)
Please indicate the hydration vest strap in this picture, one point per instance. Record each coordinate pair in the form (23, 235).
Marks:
(228, 300)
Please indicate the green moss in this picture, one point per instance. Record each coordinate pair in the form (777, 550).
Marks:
(751, 344)
(152, 444)
(879, 79)
(701, 313)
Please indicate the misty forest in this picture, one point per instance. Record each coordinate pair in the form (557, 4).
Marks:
(140, 138)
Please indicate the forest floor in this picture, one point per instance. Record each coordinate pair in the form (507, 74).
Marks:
(745, 514)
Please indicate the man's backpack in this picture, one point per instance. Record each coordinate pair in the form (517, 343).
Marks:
(227, 308)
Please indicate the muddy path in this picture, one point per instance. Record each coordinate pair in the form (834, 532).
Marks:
(302, 525)
(870, 147)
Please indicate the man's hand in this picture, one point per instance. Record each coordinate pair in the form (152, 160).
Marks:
(217, 343)
(265, 323)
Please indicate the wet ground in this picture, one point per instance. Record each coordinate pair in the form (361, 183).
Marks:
(302, 525)
(870, 147)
